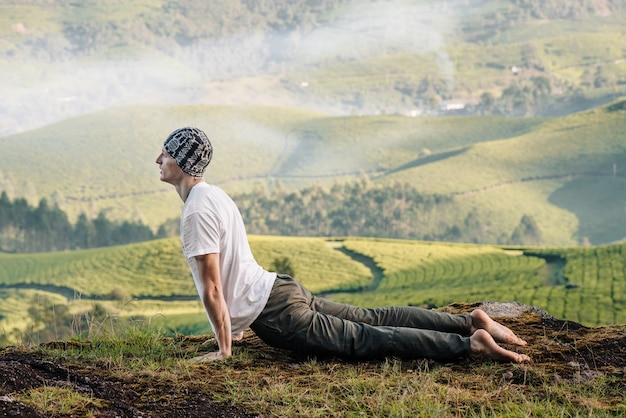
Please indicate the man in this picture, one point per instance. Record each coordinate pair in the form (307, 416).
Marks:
(237, 293)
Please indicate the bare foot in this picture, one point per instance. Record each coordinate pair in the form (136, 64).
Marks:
(500, 333)
(482, 345)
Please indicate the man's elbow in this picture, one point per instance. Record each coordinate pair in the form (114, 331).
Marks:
(213, 294)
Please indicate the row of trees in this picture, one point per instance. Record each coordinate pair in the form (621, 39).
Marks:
(368, 210)
(360, 208)
(550, 9)
(24, 228)
(171, 26)
(176, 24)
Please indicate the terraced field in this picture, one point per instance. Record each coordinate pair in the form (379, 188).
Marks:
(595, 285)
(151, 280)
(580, 284)
(154, 275)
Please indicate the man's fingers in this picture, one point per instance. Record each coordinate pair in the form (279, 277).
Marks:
(206, 357)
(210, 341)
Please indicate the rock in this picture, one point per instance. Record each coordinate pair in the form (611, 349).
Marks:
(510, 309)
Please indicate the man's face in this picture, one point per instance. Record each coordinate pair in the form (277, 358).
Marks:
(170, 171)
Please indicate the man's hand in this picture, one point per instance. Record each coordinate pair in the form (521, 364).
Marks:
(206, 358)
(210, 341)
(213, 340)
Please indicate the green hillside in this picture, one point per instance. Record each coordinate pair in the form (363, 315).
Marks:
(154, 274)
(106, 161)
(115, 161)
(151, 282)
(567, 172)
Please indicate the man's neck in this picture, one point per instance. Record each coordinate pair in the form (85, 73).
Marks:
(184, 188)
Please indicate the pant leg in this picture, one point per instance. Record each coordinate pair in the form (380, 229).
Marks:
(290, 322)
(400, 316)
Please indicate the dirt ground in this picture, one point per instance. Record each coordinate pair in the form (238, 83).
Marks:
(568, 350)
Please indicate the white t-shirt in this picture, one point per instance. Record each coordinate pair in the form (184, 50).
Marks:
(211, 223)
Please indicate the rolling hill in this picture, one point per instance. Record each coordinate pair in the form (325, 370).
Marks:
(566, 172)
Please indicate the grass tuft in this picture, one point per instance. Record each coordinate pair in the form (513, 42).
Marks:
(60, 402)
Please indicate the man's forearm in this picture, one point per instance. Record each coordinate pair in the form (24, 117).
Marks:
(218, 313)
(214, 302)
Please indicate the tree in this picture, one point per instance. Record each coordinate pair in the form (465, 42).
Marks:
(527, 232)
(5, 211)
(282, 265)
(487, 101)
(103, 230)
(83, 232)
(601, 78)
(47, 228)
(542, 86)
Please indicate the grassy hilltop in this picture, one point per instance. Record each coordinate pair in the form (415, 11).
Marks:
(566, 172)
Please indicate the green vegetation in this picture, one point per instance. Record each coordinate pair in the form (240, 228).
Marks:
(365, 209)
(358, 209)
(146, 282)
(59, 402)
(53, 295)
(153, 268)
(593, 278)
(315, 262)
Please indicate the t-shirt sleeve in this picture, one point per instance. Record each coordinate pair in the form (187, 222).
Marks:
(200, 234)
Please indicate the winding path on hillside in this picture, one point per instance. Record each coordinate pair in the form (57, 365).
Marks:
(378, 274)
(536, 178)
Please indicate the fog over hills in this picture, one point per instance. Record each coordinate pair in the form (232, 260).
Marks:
(60, 59)
(248, 67)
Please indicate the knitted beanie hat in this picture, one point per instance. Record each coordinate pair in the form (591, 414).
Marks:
(191, 149)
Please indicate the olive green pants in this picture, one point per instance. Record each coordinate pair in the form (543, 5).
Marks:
(295, 320)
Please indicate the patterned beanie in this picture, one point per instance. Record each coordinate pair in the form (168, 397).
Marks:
(191, 149)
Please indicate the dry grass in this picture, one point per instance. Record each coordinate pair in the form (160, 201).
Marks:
(576, 371)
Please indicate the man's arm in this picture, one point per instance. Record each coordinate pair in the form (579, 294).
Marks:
(214, 302)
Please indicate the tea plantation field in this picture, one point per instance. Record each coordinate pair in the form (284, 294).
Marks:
(151, 280)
